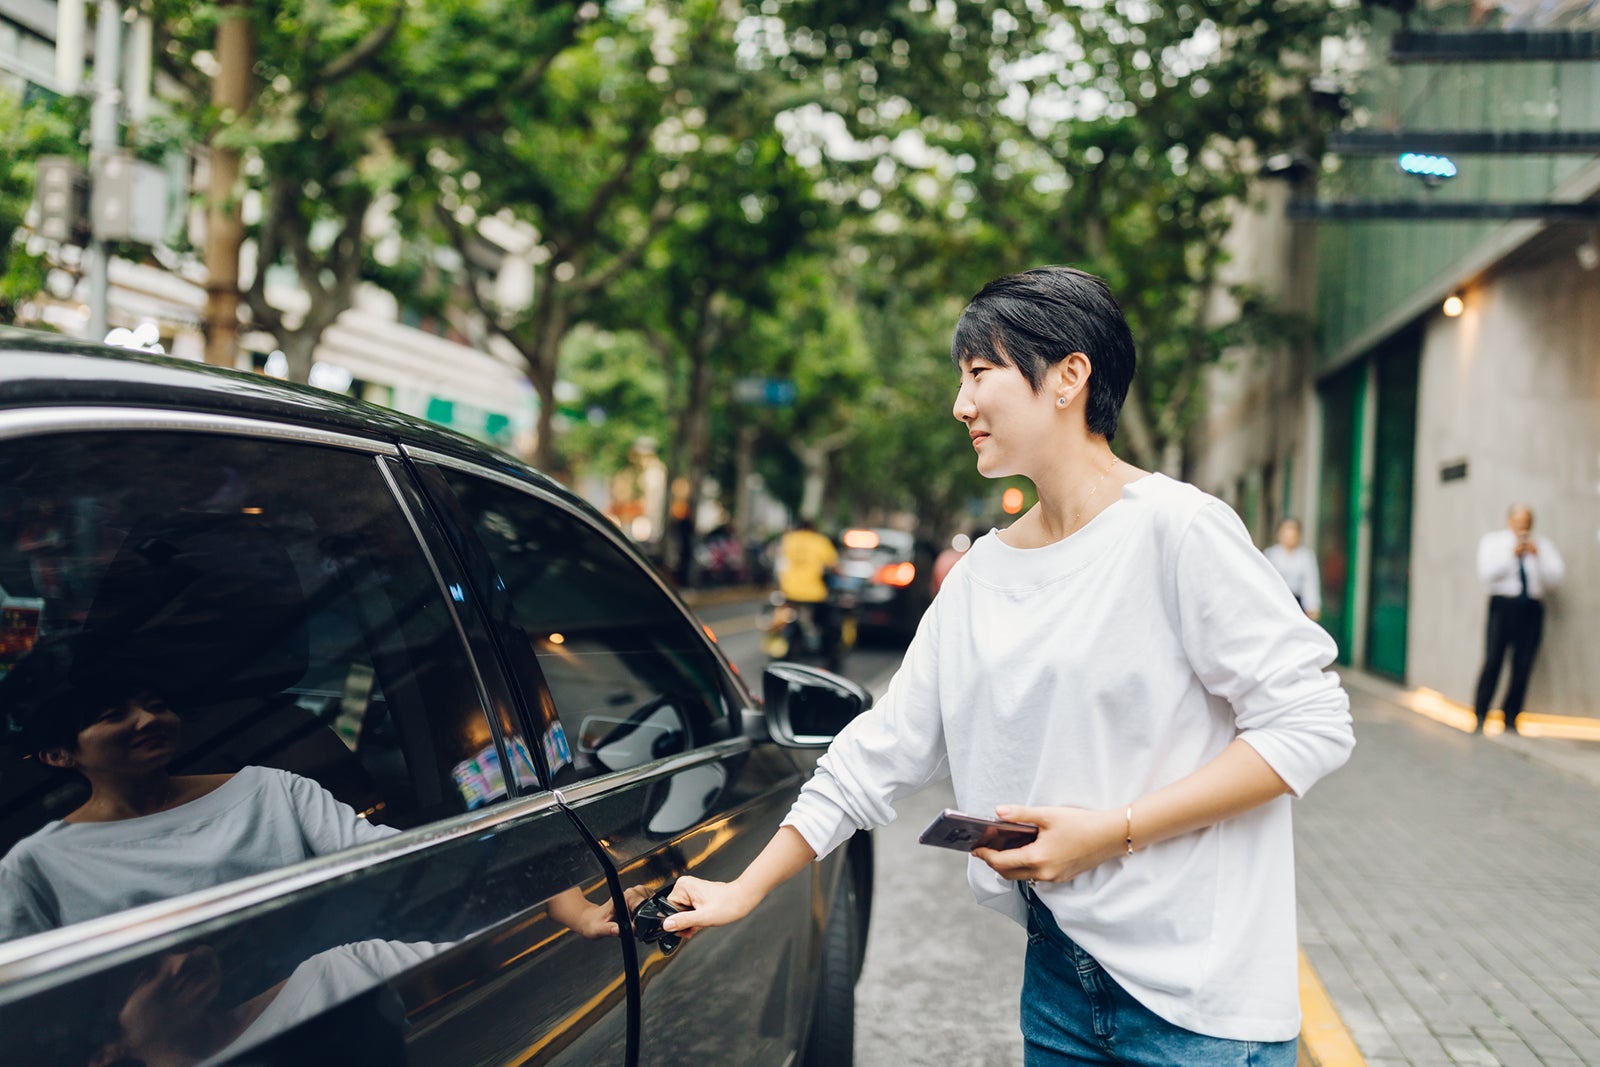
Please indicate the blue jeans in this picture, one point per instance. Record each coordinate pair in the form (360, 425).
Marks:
(1073, 1012)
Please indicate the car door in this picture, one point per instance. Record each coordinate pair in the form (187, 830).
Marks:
(641, 724)
(431, 902)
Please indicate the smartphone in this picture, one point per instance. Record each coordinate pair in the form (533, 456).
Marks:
(963, 832)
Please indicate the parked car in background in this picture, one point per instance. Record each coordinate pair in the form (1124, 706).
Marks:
(461, 734)
(893, 569)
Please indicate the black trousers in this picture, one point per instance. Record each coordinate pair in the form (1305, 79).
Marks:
(1515, 624)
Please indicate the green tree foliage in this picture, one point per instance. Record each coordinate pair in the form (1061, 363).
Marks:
(349, 95)
(629, 142)
(803, 189)
(42, 128)
(1118, 137)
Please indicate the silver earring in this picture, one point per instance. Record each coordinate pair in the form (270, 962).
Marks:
(1061, 401)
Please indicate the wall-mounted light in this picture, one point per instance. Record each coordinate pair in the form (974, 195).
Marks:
(1454, 305)
(1588, 251)
(1431, 169)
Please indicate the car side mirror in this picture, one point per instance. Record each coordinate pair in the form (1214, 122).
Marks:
(806, 706)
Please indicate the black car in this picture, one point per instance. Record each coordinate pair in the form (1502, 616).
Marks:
(891, 569)
(333, 737)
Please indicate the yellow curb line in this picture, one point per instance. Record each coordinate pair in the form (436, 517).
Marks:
(741, 625)
(1440, 708)
(1323, 1036)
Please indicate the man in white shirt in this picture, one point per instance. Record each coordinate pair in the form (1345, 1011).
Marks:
(1520, 569)
(1298, 566)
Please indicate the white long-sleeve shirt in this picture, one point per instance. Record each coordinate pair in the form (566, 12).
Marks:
(1299, 570)
(1497, 565)
(1091, 672)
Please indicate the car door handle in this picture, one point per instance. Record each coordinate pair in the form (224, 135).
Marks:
(647, 918)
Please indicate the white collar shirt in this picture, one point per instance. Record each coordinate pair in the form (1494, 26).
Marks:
(1497, 565)
(1299, 569)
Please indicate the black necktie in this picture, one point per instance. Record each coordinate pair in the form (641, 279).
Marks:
(1522, 575)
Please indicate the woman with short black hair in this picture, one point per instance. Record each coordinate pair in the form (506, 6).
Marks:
(1121, 668)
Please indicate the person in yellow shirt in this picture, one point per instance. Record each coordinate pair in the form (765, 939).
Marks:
(805, 557)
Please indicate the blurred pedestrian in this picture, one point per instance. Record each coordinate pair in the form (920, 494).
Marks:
(1520, 568)
(805, 559)
(959, 545)
(1298, 565)
(1121, 669)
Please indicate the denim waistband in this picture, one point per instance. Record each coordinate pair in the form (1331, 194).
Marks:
(1045, 923)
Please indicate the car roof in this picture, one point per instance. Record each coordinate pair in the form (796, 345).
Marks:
(888, 537)
(40, 369)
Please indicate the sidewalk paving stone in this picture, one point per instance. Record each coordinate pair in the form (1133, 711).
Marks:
(1449, 891)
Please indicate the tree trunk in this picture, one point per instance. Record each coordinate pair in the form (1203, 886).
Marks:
(298, 350)
(744, 468)
(544, 387)
(552, 319)
(230, 91)
(1140, 446)
(815, 462)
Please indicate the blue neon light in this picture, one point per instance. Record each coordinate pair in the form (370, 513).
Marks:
(1426, 166)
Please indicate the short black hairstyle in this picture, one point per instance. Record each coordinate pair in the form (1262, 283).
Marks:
(1035, 319)
(63, 685)
(57, 721)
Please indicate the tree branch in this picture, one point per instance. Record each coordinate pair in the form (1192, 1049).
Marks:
(362, 52)
(625, 259)
(583, 232)
(263, 313)
(1197, 354)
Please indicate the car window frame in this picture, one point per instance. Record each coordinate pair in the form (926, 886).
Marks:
(736, 698)
(51, 957)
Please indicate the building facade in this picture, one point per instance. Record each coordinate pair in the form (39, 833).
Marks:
(1455, 371)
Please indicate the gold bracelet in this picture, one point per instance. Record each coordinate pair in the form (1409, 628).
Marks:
(1128, 837)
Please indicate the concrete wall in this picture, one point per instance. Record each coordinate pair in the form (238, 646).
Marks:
(1512, 387)
(1260, 403)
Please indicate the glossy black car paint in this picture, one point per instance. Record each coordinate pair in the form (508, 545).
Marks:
(502, 982)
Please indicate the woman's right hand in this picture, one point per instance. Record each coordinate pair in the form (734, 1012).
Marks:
(704, 904)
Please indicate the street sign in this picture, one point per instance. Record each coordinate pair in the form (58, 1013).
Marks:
(131, 199)
(61, 189)
(768, 392)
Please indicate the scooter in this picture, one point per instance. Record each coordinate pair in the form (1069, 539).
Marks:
(819, 633)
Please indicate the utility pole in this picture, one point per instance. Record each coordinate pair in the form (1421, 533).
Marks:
(230, 93)
(102, 140)
(71, 22)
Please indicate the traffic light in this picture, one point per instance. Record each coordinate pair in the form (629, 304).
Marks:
(61, 191)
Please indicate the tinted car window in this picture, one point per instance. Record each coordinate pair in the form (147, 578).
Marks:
(239, 643)
(631, 678)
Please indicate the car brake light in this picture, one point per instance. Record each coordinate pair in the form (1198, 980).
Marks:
(860, 539)
(898, 575)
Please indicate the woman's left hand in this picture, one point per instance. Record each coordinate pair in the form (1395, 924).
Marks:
(1070, 841)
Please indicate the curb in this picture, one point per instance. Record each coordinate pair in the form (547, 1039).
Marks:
(723, 594)
(1563, 743)
(1324, 1040)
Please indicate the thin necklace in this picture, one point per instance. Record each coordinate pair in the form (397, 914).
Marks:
(1090, 498)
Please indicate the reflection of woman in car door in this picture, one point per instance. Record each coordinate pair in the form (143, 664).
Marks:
(145, 834)
(175, 1014)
